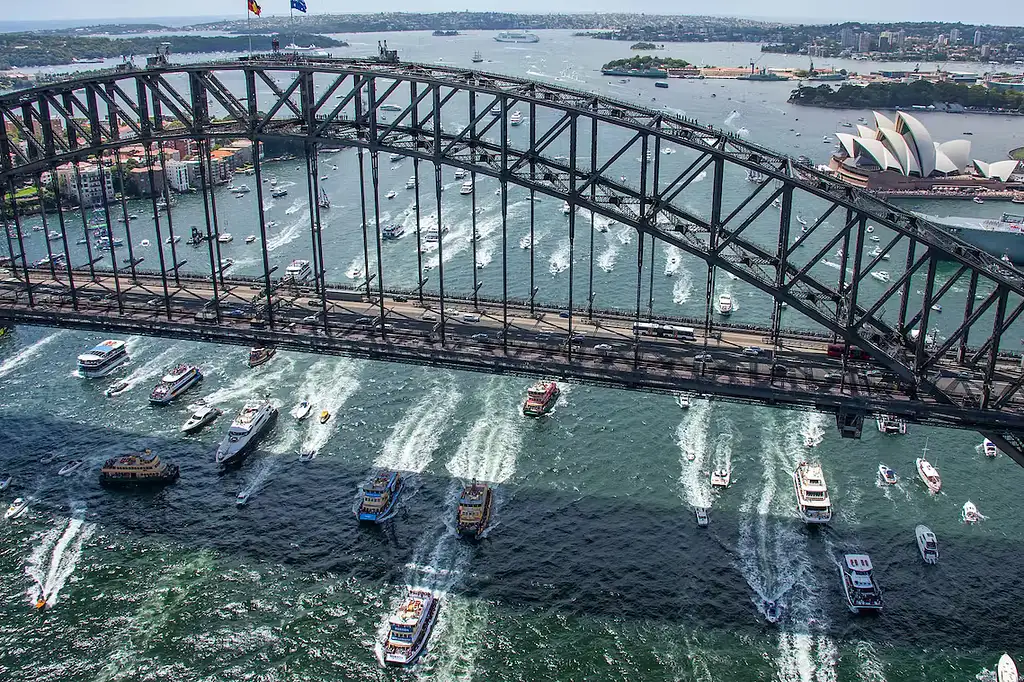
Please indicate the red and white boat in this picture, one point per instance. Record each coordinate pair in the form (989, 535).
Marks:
(541, 398)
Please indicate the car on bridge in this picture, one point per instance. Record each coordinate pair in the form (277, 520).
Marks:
(703, 357)
(752, 351)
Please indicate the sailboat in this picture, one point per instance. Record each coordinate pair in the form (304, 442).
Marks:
(477, 57)
(323, 201)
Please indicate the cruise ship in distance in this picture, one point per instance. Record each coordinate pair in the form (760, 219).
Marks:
(516, 37)
(103, 359)
(139, 469)
(255, 419)
(409, 627)
(1003, 237)
(174, 383)
(812, 499)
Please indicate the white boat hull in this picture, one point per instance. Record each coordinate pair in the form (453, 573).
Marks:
(1006, 671)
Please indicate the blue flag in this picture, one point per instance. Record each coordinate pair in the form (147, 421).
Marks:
(299, 5)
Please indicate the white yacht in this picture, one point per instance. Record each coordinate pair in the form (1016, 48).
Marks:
(201, 416)
(174, 383)
(409, 627)
(720, 478)
(103, 359)
(391, 195)
(224, 237)
(862, 594)
(516, 118)
(702, 516)
(71, 467)
(16, 509)
(812, 499)
(990, 448)
(725, 304)
(302, 410)
(298, 271)
(971, 513)
(411, 182)
(255, 419)
(928, 473)
(467, 187)
(1006, 670)
(927, 544)
(880, 275)
(460, 173)
(889, 424)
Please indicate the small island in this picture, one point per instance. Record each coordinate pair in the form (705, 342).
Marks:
(643, 67)
(643, 46)
(921, 94)
(441, 33)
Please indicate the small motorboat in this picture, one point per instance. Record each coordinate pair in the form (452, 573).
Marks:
(203, 415)
(683, 401)
(260, 355)
(40, 603)
(16, 509)
(927, 544)
(1006, 670)
(702, 516)
(47, 459)
(302, 410)
(887, 475)
(324, 416)
(242, 498)
(117, 388)
(937, 308)
(809, 442)
(391, 195)
(70, 468)
(720, 478)
(250, 239)
(978, 200)
(772, 612)
(5, 481)
(970, 513)
(307, 455)
(990, 448)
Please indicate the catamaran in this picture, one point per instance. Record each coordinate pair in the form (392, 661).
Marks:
(862, 594)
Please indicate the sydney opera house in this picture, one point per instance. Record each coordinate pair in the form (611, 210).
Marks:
(900, 155)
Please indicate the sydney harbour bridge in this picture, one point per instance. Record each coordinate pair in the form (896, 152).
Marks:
(847, 339)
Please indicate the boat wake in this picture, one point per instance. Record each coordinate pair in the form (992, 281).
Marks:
(296, 206)
(606, 261)
(328, 384)
(26, 354)
(673, 259)
(290, 233)
(457, 640)
(625, 235)
(683, 288)
(489, 449)
(55, 558)
(355, 268)
(692, 438)
(417, 435)
(559, 260)
(254, 383)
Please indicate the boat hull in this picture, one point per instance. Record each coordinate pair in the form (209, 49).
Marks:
(97, 372)
(199, 425)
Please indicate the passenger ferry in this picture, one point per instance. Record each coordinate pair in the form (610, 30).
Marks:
(928, 473)
(140, 469)
(467, 187)
(540, 398)
(174, 383)
(380, 497)
(392, 231)
(812, 499)
(409, 628)
(927, 544)
(725, 304)
(889, 424)
(103, 359)
(862, 594)
(255, 419)
(298, 271)
(516, 118)
(474, 511)
(260, 355)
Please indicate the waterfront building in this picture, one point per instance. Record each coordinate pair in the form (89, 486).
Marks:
(977, 38)
(91, 188)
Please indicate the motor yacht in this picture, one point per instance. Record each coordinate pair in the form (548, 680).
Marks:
(379, 497)
(391, 195)
(890, 424)
(395, 158)
(812, 498)
(989, 448)
(970, 513)
(887, 475)
(307, 455)
(260, 355)
(880, 275)
(516, 118)
(565, 208)
(5, 481)
(325, 416)
(474, 510)
(138, 469)
(117, 388)
(71, 467)
(409, 627)
(928, 473)
(250, 239)
(720, 478)
(927, 544)
(103, 359)
(683, 401)
(702, 516)
(541, 398)
(16, 509)
(174, 383)
(411, 183)
(302, 410)
(202, 416)
(725, 304)
(1006, 670)
(862, 594)
(298, 271)
(460, 173)
(392, 231)
(224, 237)
(467, 187)
(279, 192)
(242, 498)
(255, 420)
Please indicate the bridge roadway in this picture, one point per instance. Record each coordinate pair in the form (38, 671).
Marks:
(795, 372)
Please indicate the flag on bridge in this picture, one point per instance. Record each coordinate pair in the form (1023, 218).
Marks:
(299, 5)
(254, 8)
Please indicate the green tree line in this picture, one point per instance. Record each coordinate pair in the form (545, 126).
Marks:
(905, 95)
(646, 62)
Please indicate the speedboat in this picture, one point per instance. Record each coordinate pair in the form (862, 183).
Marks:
(255, 419)
(302, 410)
(260, 355)
(5, 481)
(242, 497)
(929, 474)
(16, 509)
(411, 183)
(565, 207)
(702, 516)
(324, 416)
(1006, 670)
(103, 359)
(250, 239)
(927, 544)
(862, 594)
(725, 304)
(70, 468)
(683, 401)
(224, 237)
(467, 187)
(117, 388)
(541, 398)
(174, 383)
(812, 498)
(391, 195)
(720, 478)
(409, 627)
(202, 416)
(887, 475)
(971, 513)
(978, 200)
(307, 455)
(990, 448)
(474, 511)
(380, 497)
(47, 459)
(810, 442)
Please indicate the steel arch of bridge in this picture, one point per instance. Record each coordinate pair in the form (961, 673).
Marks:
(79, 119)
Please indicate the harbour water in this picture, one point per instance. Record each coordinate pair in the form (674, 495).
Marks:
(593, 568)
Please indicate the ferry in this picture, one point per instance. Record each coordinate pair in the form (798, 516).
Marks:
(255, 419)
(392, 231)
(71, 467)
(380, 497)
(301, 411)
(929, 474)
(140, 469)
(887, 475)
(889, 424)
(16, 509)
(409, 627)
(516, 118)
(260, 355)
(725, 304)
(541, 398)
(702, 516)
(927, 544)
(720, 478)
(201, 416)
(411, 182)
(474, 512)
(103, 359)
(862, 594)
(298, 271)
(516, 37)
(812, 499)
(174, 383)
(325, 416)
(1006, 670)
(990, 448)
(467, 187)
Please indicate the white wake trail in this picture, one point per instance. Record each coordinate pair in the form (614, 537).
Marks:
(64, 552)
(692, 439)
(416, 436)
(489, 449)
(328, 385)
(25, 355)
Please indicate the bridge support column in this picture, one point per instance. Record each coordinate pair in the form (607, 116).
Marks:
(21, 242)
(64, 238)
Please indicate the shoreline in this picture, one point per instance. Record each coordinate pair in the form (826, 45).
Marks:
(988, 112)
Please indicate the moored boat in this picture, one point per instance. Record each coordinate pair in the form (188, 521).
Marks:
(541, 398)
(255, 419)
(103, 359)
(474, 511)
(409, 627)
(139, 469)
(927, 544)
(379, 497)
(887, 475)
(928, 473)
(260, 355)
(1006, 670)
(201, 416)
(174, 383)
(862, 594)
(812, 498)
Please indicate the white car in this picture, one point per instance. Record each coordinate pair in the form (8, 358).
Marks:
(702, 357)
(470, 317)
(429, 316)
(752, 351)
